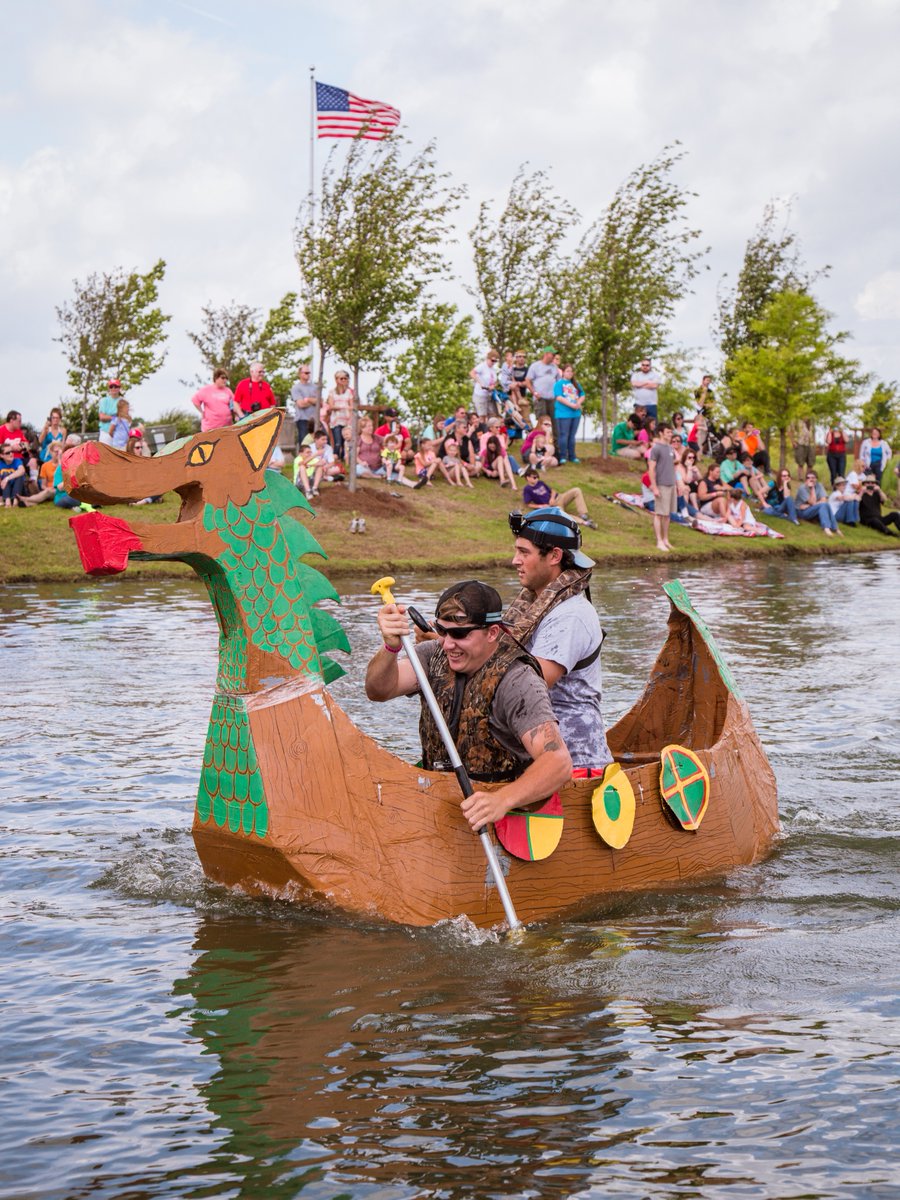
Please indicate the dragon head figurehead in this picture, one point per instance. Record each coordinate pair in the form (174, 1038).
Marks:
(238, 528)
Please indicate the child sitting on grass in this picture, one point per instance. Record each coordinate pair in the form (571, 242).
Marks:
(538, 494)
(425, 462)
(453, 467)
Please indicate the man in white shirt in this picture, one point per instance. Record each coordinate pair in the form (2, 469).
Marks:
(485, 380)
(644, 386)
(540, 379)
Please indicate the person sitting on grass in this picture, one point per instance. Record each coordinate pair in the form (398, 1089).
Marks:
(812, 504)
(738, 514)
(496, 464)
(870, 503)
(712, 494)
(779, 502)
(323, 462)
(730, 464)
(368, 452)
(844, 504)
(687, 477)
(425, 462)
(539, 494)
(540, 452)
(751, 443)
(303, 471)
(46, 487)
(754, 482)
(452, 466)
(467, 440)
(12, 475)
(623, 441)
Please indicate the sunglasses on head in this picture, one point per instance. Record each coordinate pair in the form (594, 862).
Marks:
(457, 632)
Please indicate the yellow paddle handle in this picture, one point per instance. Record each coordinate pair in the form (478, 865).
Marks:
(382, 588)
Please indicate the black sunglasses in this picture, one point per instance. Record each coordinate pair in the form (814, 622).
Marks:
(457, 632)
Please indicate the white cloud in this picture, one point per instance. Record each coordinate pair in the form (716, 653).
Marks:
(880, 298)
(134, 136)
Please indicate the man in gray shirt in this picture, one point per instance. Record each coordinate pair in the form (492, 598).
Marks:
(662, 484)
(304, 397)
(554, 618)
(540, 379)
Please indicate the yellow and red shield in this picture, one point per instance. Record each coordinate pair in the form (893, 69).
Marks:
(684, 785)
(532, 833)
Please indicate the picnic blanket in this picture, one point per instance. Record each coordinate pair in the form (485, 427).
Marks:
(702, 524)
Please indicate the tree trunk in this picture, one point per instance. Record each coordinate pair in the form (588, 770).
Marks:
(604, 435)
(354, 431)
(320, 383)
(782, 449)
(84, 410)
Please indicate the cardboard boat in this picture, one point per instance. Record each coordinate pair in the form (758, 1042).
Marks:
(297, 802)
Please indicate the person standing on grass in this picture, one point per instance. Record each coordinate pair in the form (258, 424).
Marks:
(303, 401)
(484, 378)
(568, 402)
(663, 484)
(215, 403)
(644, 388)
(540, 379)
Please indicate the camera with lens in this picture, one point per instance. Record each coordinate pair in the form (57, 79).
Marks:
(255, 406)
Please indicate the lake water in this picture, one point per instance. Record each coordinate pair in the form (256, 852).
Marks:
(162, 1037)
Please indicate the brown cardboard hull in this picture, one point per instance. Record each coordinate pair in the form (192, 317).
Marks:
(352, 826)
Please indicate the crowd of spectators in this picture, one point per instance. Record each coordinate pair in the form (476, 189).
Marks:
(522, 422)
(738, 476)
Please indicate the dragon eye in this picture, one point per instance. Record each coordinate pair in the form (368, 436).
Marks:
(200, 455)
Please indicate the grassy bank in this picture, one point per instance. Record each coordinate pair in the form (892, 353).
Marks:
(435, 528)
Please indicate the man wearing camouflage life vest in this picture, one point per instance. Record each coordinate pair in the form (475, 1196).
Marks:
(554, 619)
(491, 694)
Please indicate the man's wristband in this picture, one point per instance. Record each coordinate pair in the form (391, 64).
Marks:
(392, 649)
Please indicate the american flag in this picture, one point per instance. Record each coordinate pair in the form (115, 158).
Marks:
(341, 114)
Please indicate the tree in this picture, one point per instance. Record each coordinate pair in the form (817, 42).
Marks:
(113, 328)
(283, 344)
(636, 262)
(517, 257)
(433, 371)
(676, 392)
(881, 409)
(368, 256)
(791, 368)
(227, 338)
(234, 335)
(772, 263)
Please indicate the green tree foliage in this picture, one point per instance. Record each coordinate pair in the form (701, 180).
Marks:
(112, 328)
(883, 409)
(636, 262)
(792, 367)
(186, 423)
(227, 338)
(518, 262)
(367, 257)
(676, 392)
(432, 373)
(234, 335)
(772, 264)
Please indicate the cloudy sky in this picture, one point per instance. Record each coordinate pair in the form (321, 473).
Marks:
(135, 130)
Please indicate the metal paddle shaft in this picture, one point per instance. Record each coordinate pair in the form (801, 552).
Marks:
(383, 587)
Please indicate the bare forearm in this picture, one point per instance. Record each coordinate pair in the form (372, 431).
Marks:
(383, 676)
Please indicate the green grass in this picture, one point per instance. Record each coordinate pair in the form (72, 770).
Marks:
(438, 528)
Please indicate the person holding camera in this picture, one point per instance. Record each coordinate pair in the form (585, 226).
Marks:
(253, 394)
(870, 503)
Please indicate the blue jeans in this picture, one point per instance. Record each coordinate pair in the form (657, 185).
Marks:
(848, 512)
(568, 427)
(787, 509)
(822, 511)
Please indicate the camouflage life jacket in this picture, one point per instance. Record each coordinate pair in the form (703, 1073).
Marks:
(528, 609)
(465, 701)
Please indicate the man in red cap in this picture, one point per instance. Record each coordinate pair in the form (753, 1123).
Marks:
(108, 407)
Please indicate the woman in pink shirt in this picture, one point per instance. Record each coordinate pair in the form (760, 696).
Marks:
(215, 403)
